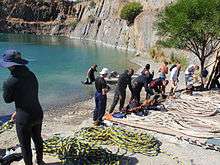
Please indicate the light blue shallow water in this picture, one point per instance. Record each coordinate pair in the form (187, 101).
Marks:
(60, 65)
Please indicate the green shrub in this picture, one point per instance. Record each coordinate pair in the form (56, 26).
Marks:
(179, 58)
(130, 11)
(157, 54)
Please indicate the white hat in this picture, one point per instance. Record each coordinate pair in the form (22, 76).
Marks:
(104, 71)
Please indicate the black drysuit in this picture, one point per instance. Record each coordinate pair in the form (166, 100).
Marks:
(138, 83)
(22, 88)
(124, 80)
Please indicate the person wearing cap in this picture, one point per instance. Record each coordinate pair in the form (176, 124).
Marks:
(22, 89)
(91, 74)
(124, 80)
(100, 97)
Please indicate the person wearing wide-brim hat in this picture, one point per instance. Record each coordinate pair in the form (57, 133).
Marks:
(100, 97)
(22, 89)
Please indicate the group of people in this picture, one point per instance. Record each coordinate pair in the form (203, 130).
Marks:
(22, 89)
(153, 86)
(145, 80)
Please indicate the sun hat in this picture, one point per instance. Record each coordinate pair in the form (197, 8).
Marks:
(104, 71)
(11, 58)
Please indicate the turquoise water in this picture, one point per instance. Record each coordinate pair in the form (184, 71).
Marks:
(60, 65)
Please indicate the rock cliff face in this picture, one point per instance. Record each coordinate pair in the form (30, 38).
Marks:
(96, 20)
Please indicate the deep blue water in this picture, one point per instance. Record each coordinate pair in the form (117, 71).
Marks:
(60, 65)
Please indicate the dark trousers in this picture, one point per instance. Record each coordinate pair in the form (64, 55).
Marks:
(119, 95)
(25, 133)
(215, 82)
(136, 94)
(100, 106)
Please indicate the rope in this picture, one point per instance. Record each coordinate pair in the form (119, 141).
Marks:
(6, 126)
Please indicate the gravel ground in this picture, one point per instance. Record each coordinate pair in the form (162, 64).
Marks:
(67, 119)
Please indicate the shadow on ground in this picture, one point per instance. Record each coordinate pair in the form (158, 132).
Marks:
(125, 161)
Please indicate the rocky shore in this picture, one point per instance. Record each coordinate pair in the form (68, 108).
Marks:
(66, 120)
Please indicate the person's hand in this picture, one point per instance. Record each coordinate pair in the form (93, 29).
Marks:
(13, 117)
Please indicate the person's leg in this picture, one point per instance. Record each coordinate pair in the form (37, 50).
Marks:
(24, 137)
(95, 114)
(102, 107)
(115, 102)
(138, 96)
(122, 100)
(38, 141)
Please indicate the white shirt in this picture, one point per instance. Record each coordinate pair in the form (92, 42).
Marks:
(174, 74)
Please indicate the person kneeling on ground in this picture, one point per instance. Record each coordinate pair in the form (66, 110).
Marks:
(124, 80)
(148, 104)
(157, 86)
(91, 74)
(100, 97)
(22, 88)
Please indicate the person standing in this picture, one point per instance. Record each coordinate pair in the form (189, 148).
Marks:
(189, 73)
(22, 89)
(174, 79)
(100, 97)
(163, 70)
(124, 80)
(91, 74)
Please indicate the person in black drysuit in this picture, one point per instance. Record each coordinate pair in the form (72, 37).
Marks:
(91, 74)
(100, 97)
(138, 83)
(124, 80)
(22, 88)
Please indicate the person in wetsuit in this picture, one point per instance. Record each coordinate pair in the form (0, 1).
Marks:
(138, 83)
(91, 74)
(22, 89)
(124, 80)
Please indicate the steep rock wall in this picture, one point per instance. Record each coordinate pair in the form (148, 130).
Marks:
(97, 20)
(102, 23)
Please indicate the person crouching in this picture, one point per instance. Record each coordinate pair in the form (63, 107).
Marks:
(100, 97)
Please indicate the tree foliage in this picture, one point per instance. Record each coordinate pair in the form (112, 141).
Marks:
(193, 25)
(130, 11)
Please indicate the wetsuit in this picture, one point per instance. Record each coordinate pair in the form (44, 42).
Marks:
(100, 99)
(124, 80)
(90, 76)
(138, 83)
(22, 88)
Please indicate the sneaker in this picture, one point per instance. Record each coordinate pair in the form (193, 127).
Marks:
(96, 123)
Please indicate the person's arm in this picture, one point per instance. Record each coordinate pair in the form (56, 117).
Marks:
(8, 93)
(13, 116)
(88, 72)
(105, 87)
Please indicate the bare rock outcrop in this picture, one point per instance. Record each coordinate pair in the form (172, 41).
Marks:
(97, 20)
